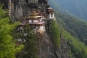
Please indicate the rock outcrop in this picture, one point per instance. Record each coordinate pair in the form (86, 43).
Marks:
(47, 49)
(20, 8)
(63, 50)
(45, 46)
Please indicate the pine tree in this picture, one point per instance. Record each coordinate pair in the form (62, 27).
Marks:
(7, 46)
(30, 48)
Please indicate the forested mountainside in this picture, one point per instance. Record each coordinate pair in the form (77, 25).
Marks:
(74, 31)
(76, 27)
(77, 8)
(62, 37)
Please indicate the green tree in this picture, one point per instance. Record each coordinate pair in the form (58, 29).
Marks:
(55, 33)
(7, 46)
(30, 46)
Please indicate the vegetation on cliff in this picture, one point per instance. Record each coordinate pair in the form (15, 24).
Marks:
(30, 46)
(55, 33)
(7, 45)
(8, 48)
(72, 31)
(78, 49)
(74, 26)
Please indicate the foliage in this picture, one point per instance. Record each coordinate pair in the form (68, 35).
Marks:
(30, 46)
(55, 33)
(70, 53)
(76, 27)
(7, 46)
(78, 48)
(72, 30)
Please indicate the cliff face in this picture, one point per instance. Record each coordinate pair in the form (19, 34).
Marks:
(45, 46)
(47, 49)
(21, 8)
(63, 50)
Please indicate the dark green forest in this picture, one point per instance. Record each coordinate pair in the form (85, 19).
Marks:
(30, 46)
(74, 26)
(78, 49)
(75, 33)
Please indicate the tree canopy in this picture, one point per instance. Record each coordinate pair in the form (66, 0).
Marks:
(7, 45)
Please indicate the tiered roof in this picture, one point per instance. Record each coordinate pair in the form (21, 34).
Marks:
(50, 10)
(34, 15)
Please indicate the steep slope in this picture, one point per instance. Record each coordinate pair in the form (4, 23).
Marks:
(77, 48)
(75, 7)
(76, 27)
(73, 29)
(52, 45)
(45, 46)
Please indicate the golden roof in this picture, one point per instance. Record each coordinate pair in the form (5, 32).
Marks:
(34, 17)
(34, 13)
